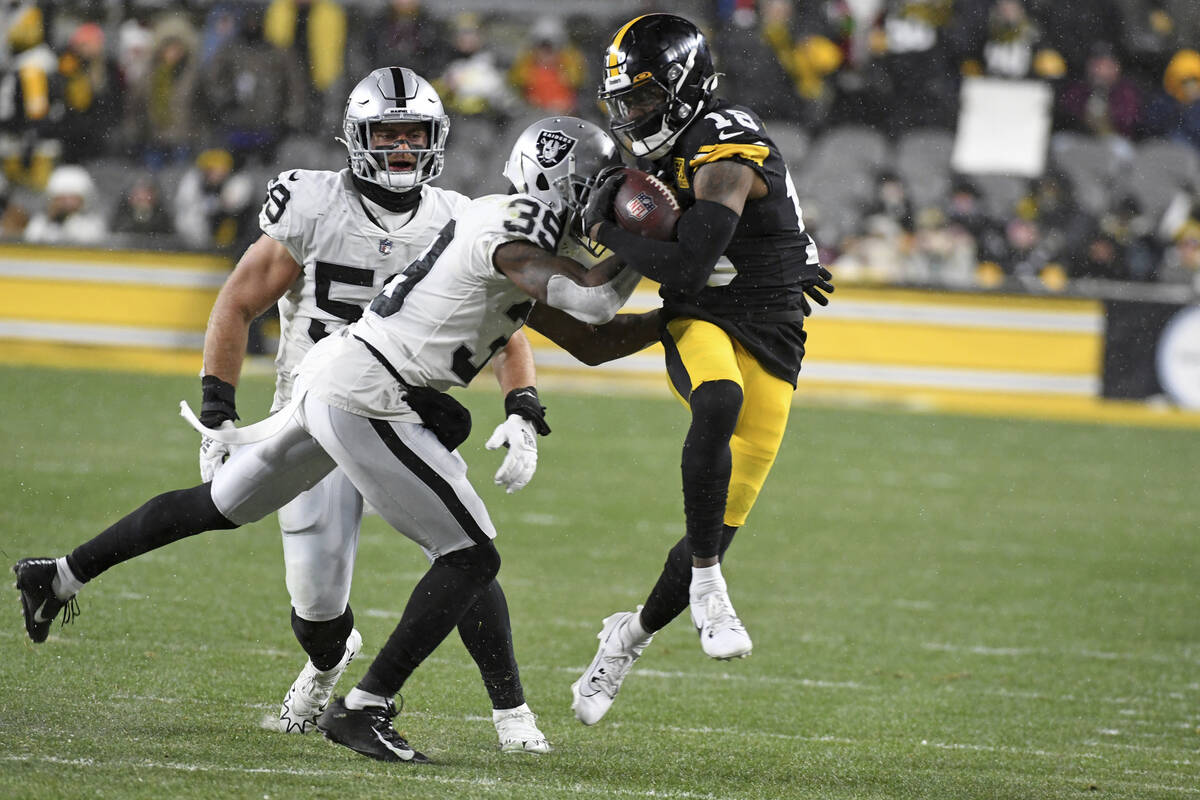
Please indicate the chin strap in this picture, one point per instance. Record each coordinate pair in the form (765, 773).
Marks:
(392, 201)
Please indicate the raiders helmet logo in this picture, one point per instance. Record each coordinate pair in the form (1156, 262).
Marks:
(552, 147)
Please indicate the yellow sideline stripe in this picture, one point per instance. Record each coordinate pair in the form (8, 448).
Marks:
(948, 346)
(997, 404)
(116, 304)
(80, 356)
(809, 393)
(964, 300)
(140, 258)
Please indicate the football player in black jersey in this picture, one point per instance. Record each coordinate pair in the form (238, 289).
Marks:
(734, 285)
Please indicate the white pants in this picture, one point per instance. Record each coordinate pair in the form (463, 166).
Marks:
(419, 487)
(320, 540)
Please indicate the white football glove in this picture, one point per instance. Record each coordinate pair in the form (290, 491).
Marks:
(213, 453)
(519, 436)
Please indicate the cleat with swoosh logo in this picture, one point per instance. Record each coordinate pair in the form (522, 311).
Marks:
(39, 604)
(368, 731)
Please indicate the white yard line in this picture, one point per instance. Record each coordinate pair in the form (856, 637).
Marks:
(983, 650)
(410, 774)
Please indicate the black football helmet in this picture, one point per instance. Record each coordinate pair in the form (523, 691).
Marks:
(658, 77)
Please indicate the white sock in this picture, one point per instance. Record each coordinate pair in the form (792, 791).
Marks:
(65, 584)
(497, 713)
(357, 700)
(633, 632)
(705, 580)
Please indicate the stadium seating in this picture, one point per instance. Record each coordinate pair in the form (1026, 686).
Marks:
(923, 163)
(1158, 170)
(1092, 166)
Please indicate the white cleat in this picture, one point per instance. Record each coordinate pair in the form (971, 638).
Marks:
(310, 693)
(518, 731)
(596, 689)
(722, 634)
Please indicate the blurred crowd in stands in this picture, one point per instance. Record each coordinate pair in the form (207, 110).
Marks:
(146, 123)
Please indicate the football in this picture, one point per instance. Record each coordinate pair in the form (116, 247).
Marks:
(646, 206)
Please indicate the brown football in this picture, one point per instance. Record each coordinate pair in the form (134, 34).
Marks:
(646, 206)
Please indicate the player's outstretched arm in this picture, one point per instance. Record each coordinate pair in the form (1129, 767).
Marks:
(261, 276)
(702, 234)
(624, 335)
(593, 296)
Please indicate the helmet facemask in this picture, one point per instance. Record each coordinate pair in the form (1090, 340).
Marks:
(394, 95)
(376, 162)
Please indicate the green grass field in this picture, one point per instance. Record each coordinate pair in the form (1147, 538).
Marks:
(942, 607)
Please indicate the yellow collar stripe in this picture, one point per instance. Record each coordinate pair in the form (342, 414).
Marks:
(615, 47)
(715, 152)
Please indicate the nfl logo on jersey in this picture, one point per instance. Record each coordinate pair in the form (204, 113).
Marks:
(640, 206)
(385, 246)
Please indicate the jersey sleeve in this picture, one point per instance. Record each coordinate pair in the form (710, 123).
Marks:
(727, 134)
(288, 210)
(499, 219)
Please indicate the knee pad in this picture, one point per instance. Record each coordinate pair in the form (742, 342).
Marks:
(717, 404)
(480, 562)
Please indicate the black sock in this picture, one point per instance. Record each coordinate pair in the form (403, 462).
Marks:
(707, 463)
(164, 519)
(325, 642)
(487, 633)
(452, 585)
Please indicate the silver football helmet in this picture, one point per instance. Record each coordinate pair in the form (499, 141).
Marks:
(394, 94)
(556, 160)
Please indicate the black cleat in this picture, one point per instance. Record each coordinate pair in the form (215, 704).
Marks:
(40, 605)
(368, 731)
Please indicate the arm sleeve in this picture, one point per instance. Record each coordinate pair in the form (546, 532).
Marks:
(703, 233)
(592, 304)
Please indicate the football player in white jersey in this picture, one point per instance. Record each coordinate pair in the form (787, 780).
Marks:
(330, 241)
(369, 399)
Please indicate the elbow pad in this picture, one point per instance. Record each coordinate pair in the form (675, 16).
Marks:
(594, 305)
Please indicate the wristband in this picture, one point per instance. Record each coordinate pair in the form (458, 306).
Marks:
(525, 404)
(217, 402)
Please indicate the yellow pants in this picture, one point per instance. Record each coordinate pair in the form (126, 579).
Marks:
(703, 352)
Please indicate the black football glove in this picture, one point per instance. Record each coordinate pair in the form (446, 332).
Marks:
(600, 199)
(813, 289)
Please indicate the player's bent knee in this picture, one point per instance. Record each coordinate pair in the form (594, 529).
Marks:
(717, 402)
(481, 562)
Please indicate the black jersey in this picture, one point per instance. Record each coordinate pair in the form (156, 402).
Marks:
(756, 288)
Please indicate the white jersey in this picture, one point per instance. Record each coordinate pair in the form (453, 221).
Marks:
(346, 257)
(439, 321)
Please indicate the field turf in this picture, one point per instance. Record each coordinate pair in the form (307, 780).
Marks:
(942, 607)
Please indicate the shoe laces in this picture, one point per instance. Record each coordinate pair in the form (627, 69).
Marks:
(70, 610)
(381, 722)
(719, 612)
(613, 665)
(519, 725)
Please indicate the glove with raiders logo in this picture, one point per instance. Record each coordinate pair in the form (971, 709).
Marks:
(213, 454)
(526, 417)
(218, 409)
(520, 437)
